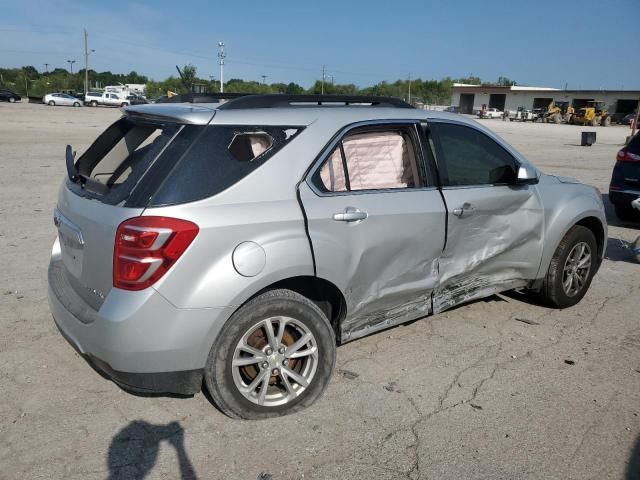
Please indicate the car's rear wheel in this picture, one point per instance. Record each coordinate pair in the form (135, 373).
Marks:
(94, 103)
(274, 356)
(123, 104)
(51, 103)
(12, 99)
(571, 269)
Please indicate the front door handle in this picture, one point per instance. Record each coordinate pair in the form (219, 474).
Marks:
(460, 211)
(350, 214)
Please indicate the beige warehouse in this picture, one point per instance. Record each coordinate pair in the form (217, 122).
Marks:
(470, 98)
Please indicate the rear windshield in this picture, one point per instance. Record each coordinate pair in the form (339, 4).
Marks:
(140, 164)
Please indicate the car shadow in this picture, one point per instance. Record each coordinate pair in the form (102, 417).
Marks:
(134, 450)
(613, 220)
(633, 466)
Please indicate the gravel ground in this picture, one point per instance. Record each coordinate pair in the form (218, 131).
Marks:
(500, 388)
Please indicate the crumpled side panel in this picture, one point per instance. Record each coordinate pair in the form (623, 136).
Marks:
(404, 296)
(497, 246)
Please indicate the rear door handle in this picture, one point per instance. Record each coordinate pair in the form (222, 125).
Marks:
(464, 209)
(350, 214)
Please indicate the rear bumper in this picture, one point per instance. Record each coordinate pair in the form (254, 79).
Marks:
(623, 198)
(138, 339)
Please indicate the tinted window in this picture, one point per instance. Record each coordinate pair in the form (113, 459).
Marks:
(371, 160)
(218, 158)
(467, 156)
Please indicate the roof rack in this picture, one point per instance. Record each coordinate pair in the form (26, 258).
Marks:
(283, 101)
(201, 97)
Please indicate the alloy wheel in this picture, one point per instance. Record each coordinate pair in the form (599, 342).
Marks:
(275, 361)
(576, 270)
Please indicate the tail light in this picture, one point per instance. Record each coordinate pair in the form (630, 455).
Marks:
(147, 247)
(624, 156)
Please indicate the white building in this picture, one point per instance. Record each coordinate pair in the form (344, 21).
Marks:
(470, 98)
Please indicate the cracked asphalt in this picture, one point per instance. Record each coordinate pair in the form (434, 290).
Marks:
(498, 389)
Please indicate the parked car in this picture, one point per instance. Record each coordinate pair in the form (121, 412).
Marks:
(137, 100)
(452, 109)
(239, 244)
(627, 119)
(53, 99)
(9, 96)
(625, 180)
(490, 113)
(94, 99)
(524, 115)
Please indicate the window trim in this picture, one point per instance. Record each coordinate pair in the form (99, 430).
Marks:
(443, 172)
(413, 125)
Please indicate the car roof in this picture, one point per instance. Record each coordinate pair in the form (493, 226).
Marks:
(204, 113)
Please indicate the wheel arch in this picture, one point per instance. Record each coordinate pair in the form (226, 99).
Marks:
(591, 220)
(325, 294)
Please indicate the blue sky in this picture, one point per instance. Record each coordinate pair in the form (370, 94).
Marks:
(584, 43)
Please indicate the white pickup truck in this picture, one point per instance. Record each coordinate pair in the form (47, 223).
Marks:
(94, 99)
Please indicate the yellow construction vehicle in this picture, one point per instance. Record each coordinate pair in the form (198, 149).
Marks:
(594, 114)
(558, 112)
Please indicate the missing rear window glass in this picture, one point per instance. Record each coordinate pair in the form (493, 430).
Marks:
(247, 146)
(121, 155)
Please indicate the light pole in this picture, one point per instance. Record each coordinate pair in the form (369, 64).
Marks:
(86, 62)
(71, 62)
(221, 56)
(46, 67)
(264, 78)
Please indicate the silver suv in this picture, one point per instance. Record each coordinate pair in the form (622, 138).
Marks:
(237, 243)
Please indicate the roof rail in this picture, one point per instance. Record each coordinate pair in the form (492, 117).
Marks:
(201, 97)
(283, 101)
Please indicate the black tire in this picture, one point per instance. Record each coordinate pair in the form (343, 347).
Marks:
(626, 213)
(124, 104)
(76, 104)
(12, 99)
(218, 374)
(552, 291)
(606, 122)
(94, 103)
(51, 103)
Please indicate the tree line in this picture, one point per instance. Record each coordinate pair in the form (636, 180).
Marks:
(29, 81)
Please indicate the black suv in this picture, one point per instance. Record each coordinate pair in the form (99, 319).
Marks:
(625, 181)
(9, 96)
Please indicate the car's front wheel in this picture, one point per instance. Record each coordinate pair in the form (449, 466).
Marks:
(12, 99)
(51, 103)
(76, 104)
(274, 356)
(572, 268)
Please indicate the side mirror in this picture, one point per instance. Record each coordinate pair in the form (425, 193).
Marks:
(527, 175)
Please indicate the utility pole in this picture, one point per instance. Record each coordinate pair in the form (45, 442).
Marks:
(221, 56)
(324, 75)
(87, 52)
(46, 67)
(409, 88)
(71, 62)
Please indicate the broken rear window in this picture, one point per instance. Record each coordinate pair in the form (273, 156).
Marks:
(141, 164)
(221, 156)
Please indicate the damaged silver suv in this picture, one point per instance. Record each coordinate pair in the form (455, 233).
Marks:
(235, 244)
